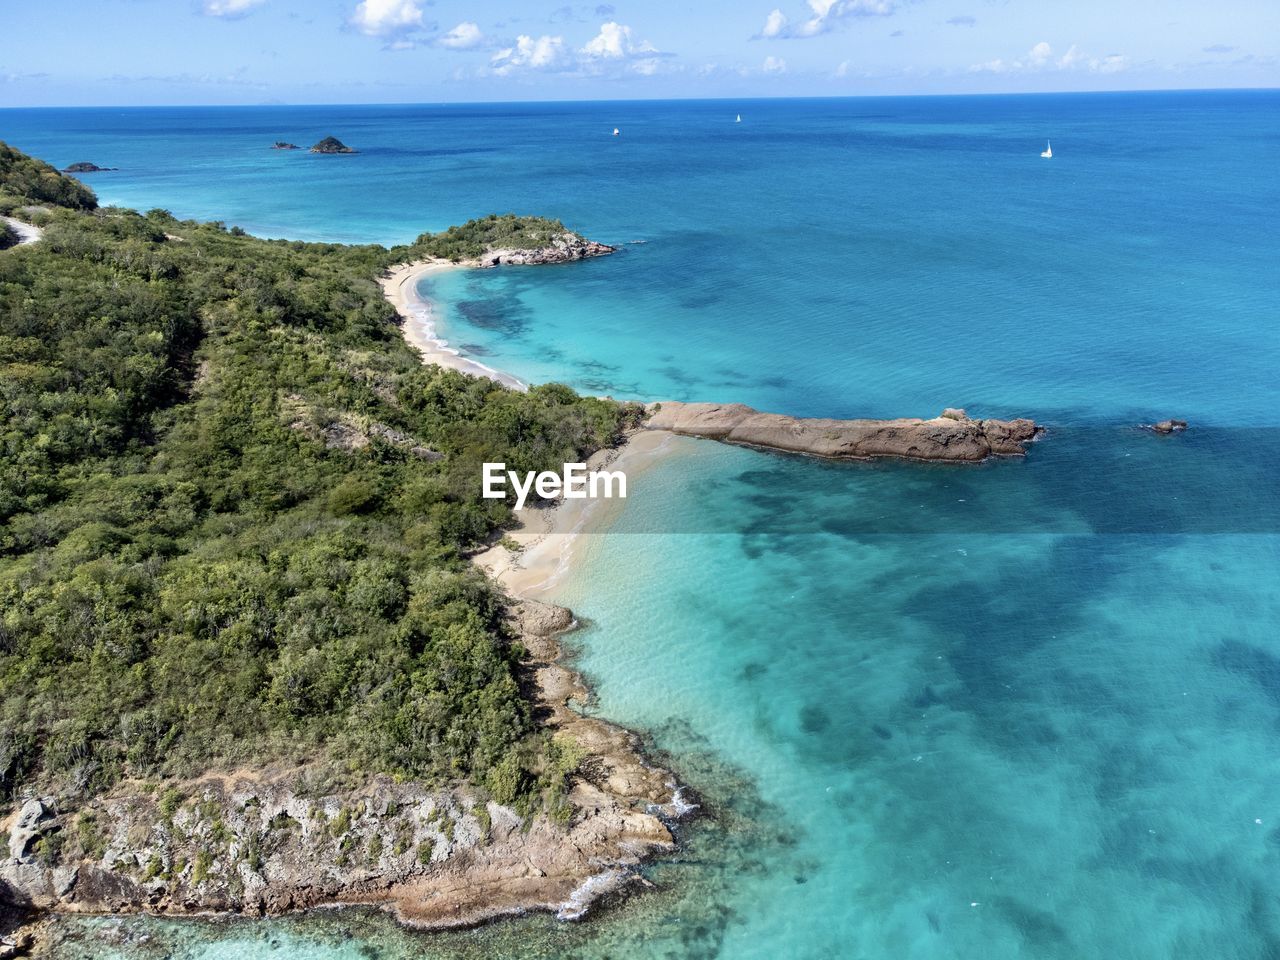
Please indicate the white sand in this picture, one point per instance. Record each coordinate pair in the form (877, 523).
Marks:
(549, 537)
(546, 536)
(401, 288)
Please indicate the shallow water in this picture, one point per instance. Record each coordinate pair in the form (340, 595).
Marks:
(1022, 709)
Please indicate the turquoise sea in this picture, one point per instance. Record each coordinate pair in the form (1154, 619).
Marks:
(1022, 709)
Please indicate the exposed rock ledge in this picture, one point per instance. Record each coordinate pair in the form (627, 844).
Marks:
(951, 437)
(255, 843)
(562, 249)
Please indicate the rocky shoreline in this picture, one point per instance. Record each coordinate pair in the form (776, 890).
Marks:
(952, 437)
(264, 843)
(566, 248)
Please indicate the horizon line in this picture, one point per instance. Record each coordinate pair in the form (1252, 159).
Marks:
(462, 103)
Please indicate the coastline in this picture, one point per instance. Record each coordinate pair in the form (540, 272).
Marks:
(548, 538)
(623, 805)
(400, 287)
(483, 861)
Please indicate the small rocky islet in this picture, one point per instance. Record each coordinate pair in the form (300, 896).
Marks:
(85, 166)
(332, 145)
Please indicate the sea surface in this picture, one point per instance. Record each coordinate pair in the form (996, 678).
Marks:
(1020, 709)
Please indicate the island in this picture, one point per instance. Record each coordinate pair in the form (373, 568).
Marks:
(331, 145)
(285, 145)
(85, 167)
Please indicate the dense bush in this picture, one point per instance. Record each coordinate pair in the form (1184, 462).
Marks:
(469, 241)
(191, 571)
(35, 181)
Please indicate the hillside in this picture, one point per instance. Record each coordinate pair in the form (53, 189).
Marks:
(234, 510)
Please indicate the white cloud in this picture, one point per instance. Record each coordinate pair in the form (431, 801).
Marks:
(1072, 57)
(1111, 63)
(613, 51)
(1041, 58)
(842, 71)
(465, 36)
(774, 65)
(1040, 54)
(230, 8)
(823, 15)
(542, 53)
(614, 42)
(775, 25)
(387, 18)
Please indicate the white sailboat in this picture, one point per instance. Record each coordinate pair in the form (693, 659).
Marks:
(617, 132)
(1047, 153)
(739, 119)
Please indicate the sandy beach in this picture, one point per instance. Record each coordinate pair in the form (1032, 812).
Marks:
(549, 537)
(400, 287)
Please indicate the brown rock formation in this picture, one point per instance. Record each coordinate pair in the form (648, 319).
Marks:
(952, 437)
(1167, 426)
(263, 842)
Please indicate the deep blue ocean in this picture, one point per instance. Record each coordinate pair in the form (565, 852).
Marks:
(1022, 709)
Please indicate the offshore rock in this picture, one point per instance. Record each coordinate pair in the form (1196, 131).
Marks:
(951, 438)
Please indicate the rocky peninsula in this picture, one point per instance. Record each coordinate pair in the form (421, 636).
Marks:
(952, 437)
(269, 842)
(564, 248)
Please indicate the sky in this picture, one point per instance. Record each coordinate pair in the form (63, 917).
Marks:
(153, 52)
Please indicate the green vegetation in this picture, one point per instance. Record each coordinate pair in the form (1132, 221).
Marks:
(331, 145)
(8, 236)
(25, 180)
(341, 823)
(425, 849)
(200, 869)
(192, 573)
(481, 813)
(493, 232)
(88, 834)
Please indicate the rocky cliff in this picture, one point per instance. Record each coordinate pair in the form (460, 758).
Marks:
(562, 249)
(271, 842)
(951, 437)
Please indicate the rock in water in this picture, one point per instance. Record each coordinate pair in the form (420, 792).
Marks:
(1167, 426)
(85, 167)
(952, 437)
(331, 145)
(285, 145)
